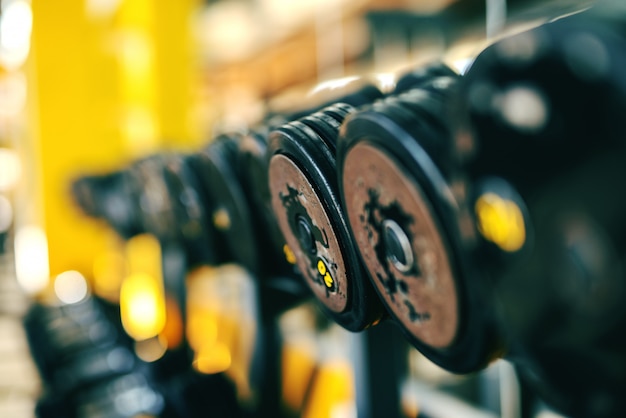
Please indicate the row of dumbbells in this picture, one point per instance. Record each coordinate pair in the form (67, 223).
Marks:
(90, 369)
(483, 213)
(87, 363)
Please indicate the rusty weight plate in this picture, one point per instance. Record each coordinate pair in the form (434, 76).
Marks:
(401, 245)
(305, 200)
(309, 232)
(396, 170)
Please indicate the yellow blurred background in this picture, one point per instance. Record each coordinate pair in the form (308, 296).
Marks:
(87, 86)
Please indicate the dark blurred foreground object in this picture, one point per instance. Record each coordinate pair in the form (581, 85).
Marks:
(492, 221)
(89, 370)
(87, 364)
(545, 133)
(75, 344)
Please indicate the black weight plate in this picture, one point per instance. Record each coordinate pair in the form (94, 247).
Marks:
(404, 219)
(253, 165)
(305, 200)
(195, 230)
(216, 167)
(421, 76)
(544, 110)
(111, 197)
(402, 245)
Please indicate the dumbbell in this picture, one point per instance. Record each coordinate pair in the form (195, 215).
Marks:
(305, 200)
(395, 165)
(125, 396)
(542, 120)
(110, 197)
(479, 215)
(57, 334)
(216, 167)
(420, 75)
(159, 195)
(234, 170)
(252, 159)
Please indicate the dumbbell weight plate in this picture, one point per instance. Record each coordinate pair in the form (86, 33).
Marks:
(216, 168)
(305, 199)
(298, 208)
(396, 171)
(401, 245)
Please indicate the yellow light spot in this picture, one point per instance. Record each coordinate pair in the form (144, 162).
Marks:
(220, 323)
(142, 306)
(289, 255)
(332, 392)
(213, 359)
(172, 334)
(500, 221)
(143, 254)
(140, 130)
(142, 296)
(202, 327)
(221, 219)
(373, 324)
(298, 364)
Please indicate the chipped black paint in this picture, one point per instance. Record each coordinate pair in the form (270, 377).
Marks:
(375, 214)
(295, 211)
(414, 315)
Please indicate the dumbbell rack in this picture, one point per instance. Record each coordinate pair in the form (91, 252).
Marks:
(379, 390)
